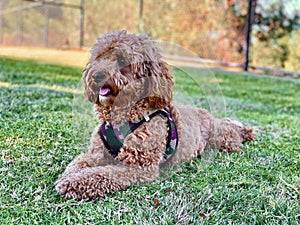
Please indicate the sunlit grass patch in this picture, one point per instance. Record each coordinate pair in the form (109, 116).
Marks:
(76, 58)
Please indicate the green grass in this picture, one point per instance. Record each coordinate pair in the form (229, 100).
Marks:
(260, 185)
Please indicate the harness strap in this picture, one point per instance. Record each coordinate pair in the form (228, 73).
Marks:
(113, 137)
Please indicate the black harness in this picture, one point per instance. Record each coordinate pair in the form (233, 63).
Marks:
(114, 136)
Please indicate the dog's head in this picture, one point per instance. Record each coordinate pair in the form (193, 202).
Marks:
(126, 72)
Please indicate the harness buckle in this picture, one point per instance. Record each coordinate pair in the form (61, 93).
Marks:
(147, 118)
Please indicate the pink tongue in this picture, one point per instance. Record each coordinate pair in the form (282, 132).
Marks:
(104, 91)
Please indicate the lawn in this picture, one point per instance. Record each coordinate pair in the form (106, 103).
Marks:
(260, 185)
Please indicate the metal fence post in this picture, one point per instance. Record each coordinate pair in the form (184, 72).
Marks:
(248, 26)
(1, 22)
(46, 31)
(140, 9)
(81, 41)
(141, 24)
(21, 23)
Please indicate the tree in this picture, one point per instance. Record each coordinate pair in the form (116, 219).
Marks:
(275, 20)
(273, 25)
(293, 60)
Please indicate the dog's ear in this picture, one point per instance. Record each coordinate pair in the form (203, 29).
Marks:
(90, 87)
(159, 84)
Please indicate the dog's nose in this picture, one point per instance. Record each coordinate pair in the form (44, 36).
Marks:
(98, 77)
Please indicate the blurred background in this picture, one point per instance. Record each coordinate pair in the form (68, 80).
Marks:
(222, 33)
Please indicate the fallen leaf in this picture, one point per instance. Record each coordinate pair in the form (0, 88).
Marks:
(169, 190)
(202, 215)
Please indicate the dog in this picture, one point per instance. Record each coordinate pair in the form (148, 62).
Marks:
(141, 129)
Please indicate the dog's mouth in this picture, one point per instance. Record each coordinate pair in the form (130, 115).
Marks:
(105, 91)
(109, 89)
(107, 94)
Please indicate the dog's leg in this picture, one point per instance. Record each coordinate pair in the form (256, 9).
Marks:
(91, 182)
(97, 172)
(228, 135)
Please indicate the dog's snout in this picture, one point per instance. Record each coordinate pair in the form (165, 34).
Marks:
(98, 77)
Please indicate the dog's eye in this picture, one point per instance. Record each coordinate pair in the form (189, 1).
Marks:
(98, 77)
(122, 62)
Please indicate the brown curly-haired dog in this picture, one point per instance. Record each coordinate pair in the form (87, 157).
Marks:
(130, 84)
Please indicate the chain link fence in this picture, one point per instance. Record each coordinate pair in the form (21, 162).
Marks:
(212, 30)
(40, 23)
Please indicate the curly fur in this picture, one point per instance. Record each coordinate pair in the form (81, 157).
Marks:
(139, 81)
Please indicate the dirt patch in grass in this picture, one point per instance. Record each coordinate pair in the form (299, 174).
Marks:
(76, 58)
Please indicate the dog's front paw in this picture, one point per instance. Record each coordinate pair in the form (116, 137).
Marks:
(65, 187)
(85, 186)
